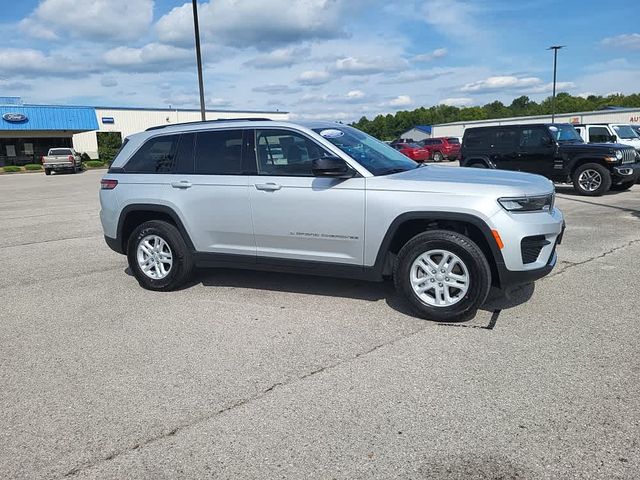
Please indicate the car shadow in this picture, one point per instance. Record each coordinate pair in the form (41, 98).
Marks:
(570, 191)
(497, 300)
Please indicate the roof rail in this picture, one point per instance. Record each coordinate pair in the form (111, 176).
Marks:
(159, 127)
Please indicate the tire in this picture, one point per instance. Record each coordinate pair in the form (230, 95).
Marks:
(437, 157)
(478, 165)
(621, 187)
(591, 179)
(469, 263)
(47, 171)
(180, 267)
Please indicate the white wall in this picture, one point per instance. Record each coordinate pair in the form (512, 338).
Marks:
(128, 122)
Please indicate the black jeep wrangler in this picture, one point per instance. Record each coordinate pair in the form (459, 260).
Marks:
(555, 151)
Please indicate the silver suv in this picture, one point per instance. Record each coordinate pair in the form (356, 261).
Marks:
(323, 198)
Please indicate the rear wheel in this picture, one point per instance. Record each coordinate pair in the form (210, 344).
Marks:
(591, 179)
(437, 157)
(478, 165)
(158, 256)
(47, 171)
(444, 275)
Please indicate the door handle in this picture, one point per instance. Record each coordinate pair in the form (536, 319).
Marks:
(268, 187)
(181, 184)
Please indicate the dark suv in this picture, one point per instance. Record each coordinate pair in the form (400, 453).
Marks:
(555, 151)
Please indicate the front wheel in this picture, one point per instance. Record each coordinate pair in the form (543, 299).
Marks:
(158, 256)
(444, 275)
(437, 157)
(591, 179)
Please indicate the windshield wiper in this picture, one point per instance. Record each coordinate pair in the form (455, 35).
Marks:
(393, 170)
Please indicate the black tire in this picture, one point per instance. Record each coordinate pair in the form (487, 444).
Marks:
(479, 274)
(621, 187)
(182, 265)
(604, 182)
(437, 157)
(47, 171)
(478, 165)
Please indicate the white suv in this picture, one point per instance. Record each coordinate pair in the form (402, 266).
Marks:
(323, 198)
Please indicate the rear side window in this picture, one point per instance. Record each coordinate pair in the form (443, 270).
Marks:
(453, 140)
(218, 152)
(477, 139)
(157, 155)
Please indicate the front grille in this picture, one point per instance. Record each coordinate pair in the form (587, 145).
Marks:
(628, 155)
(530, 247)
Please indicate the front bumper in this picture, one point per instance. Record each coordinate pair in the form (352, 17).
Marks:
(627, 172)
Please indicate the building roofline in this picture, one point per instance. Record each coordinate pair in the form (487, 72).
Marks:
(531, 117)
(159, 109)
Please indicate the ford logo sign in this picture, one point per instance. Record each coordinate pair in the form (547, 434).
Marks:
(15, 117)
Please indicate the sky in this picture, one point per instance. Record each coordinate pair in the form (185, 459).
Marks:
(328, 59)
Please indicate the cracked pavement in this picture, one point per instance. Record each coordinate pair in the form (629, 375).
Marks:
(261, 375)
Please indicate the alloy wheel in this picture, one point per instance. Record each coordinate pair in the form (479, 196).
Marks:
(439, 278)
(590, 180)
(154, 256)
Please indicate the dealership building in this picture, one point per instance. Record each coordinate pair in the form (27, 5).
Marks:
(456, 129)
(27, 131)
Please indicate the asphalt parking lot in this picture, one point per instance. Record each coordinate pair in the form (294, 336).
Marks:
(261, 375)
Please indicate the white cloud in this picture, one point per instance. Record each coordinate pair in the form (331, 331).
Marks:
(399, 101)
(314, 77)
(427, 57)
(97, 19)
(276, 89)
(511, 83)
(417, 76)
(456, 101)
(454, 18)
(151, 57)
(218, 103)
(251, 23)
(281, 57)
(630, 41)
(369, 66)
(356, 94)
(27, 61)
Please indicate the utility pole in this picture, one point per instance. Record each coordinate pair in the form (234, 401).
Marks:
(199, 59)
(555, 49)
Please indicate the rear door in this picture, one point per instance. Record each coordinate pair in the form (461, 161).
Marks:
(299, 216)
(210, 189)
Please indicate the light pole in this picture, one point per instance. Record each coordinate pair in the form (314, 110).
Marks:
(555, 49)
(199, 59)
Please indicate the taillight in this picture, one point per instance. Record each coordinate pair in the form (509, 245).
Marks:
(108, 184)
(71, 158)
(42, 159)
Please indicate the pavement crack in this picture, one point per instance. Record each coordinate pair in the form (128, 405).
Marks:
(206, 417)
(569, 265)
(48, 241)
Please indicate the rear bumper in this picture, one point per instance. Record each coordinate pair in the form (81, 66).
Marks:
(58, 166)
(114, 244)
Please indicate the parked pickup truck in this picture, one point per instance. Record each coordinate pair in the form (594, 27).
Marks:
(59, 159)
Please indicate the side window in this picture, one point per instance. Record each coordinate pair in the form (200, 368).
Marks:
(507, 138)
(532, 137)
(184, 153)
(218, 152)
(286, 153)
(157, 155)
(599, 135)
(477, 139)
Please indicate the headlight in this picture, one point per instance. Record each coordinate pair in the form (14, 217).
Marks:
(528, 204)
(619, 154)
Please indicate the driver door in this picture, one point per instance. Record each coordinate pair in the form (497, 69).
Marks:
(299, 216)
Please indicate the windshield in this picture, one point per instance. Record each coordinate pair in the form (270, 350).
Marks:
(625, 131)
(374, 155)
(565, 133)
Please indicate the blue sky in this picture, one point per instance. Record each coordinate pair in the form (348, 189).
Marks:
(334, 59)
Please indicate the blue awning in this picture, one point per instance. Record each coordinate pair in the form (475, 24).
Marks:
(33, 117)
(423, 128)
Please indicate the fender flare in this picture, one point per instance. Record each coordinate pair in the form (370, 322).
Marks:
(483, 158)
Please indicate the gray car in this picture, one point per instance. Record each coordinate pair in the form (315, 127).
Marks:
(324, 198)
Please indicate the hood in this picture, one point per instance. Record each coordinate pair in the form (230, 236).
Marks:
(474, 181)
(593, 147)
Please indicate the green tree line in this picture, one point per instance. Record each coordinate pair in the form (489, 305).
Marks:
(389, 127)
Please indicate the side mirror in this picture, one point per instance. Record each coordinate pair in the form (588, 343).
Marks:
(333, 167)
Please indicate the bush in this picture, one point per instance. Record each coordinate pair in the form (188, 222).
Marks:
(94, 164)
(11, 169)
(33, 166)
